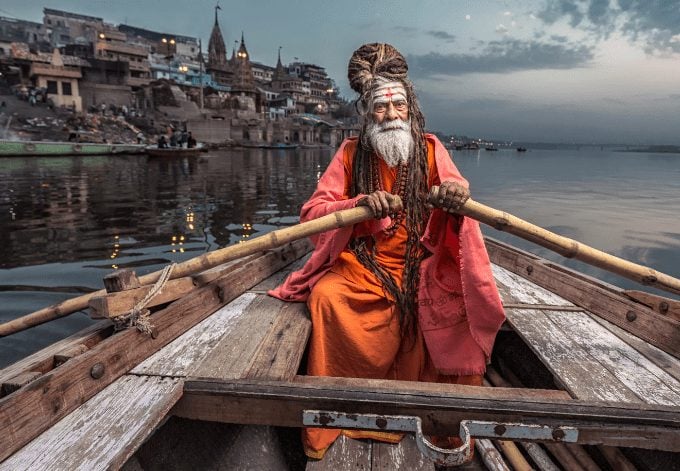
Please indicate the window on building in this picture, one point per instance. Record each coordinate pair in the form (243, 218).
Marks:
(66, 88)
(52, 87)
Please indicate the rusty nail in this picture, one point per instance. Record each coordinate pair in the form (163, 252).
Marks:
(631, 316)
(663, 307)
(499, 430)
(381, 422)
(97, 370)
(530, 269)
(558, 434)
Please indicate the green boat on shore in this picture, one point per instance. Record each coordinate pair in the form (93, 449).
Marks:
(56, 149)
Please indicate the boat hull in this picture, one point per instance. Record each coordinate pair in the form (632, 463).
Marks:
(170, 152)
(58, 149)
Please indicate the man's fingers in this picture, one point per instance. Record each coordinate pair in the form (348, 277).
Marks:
(384, 204)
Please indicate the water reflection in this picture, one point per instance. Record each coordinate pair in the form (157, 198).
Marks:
(67, 222)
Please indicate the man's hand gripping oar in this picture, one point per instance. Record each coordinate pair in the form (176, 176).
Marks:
(457, 201)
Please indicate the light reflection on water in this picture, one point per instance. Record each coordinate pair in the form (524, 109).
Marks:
(67, 222)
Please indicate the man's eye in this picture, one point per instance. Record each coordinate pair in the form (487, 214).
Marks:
(400, 105)
(379, 108)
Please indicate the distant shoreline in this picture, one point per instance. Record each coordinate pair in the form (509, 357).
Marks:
(656, 150)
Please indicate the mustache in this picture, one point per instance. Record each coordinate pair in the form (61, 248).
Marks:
(393, 125)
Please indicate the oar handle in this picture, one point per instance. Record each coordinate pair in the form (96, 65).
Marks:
(336, 220)
(564, 246)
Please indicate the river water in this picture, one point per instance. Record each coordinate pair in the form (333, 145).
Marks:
(67, 222)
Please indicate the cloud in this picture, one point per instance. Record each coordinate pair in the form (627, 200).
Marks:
(501, 29)
(503, 56)
(442, 35)
(655, 24)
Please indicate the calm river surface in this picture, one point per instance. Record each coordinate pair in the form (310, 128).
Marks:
(67, 222)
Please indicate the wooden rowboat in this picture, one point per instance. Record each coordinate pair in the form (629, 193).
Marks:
(589, 364)
(153, 151)
(58, 149)
(578, 363)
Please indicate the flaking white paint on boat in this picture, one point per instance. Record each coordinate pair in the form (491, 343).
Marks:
(514, 288)
(649, 382)
(180, 356)
(105, 431)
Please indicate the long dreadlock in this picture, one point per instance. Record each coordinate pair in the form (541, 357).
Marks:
(367, 64)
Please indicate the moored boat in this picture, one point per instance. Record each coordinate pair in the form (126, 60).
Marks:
(221, 350)
(56, 149)
(154, 151)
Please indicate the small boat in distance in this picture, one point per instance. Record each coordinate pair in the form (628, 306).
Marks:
(265, 145)
(58, 149)
(521, 149)
(491, 148)
(154, 151)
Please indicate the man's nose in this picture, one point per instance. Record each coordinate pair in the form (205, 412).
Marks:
(391, 112)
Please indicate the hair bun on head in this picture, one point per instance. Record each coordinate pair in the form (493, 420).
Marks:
(375, 60)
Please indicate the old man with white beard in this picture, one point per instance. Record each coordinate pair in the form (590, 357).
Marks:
(410, 294)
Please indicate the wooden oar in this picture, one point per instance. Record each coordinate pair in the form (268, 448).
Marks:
(564, 246)
(208, 260)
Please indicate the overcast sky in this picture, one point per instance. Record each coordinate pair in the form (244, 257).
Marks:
(539, 70)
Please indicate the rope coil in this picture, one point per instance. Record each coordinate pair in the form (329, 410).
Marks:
(139, 315)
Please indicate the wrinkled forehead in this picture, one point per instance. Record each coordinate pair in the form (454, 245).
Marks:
(389, 91)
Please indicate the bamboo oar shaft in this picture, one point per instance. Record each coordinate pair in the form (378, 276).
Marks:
(564, 246)
(208, 260)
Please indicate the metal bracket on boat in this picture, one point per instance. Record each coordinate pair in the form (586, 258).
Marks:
(441, 456)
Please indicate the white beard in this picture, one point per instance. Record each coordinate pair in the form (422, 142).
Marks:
(392, 141)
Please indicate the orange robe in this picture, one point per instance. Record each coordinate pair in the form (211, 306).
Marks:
(355, 328)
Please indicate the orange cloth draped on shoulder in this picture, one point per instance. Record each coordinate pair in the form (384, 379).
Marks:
(355, 327)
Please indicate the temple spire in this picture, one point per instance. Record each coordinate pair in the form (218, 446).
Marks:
(217, 7)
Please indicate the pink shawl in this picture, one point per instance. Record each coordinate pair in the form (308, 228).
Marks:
(459, 333)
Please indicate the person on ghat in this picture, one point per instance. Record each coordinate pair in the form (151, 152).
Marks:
(408, 295)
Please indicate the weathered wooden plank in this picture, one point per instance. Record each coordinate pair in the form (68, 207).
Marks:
(118, 303)
(41, 403)
(205, 277)
(663, 360)
(579, 373)
(346, 454)
(121, 280)
(633, 317)
(664, 306)
(233, 354)
(386, 385)
(277, 278)
(649, 382)
(185, 353)
(281, 403)
(43, 360)
(105, 431)
(516, 289)
(281, 350)
(18, 381)
(66, 354)
(402, 455)
(182, 355)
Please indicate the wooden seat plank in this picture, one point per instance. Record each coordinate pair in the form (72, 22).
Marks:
(233, 355)
(567, 359)
(513, 288)
(346, 454)
(183, 354)
(281, 350)
(649, 382)
(663, 360)
(402, 455)
(105, 431)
